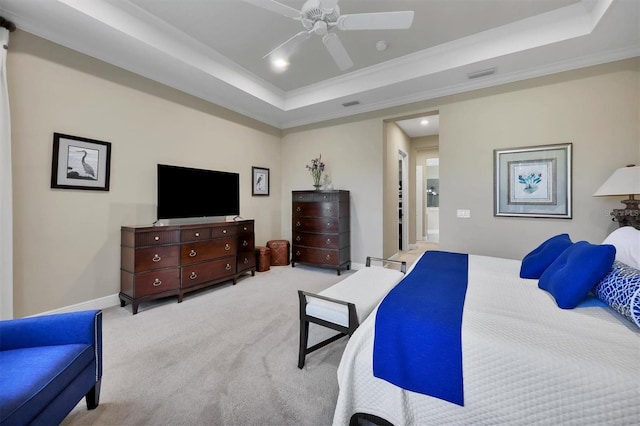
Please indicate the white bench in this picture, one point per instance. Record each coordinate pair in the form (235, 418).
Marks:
(344, 305)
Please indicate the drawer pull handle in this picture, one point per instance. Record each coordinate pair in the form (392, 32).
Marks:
(193, 253)
(245, 243)
(328, 224)
(298, 253)
(328, 240)
(328, 257)
(325, 197)
(228, 267)
(224, 231)
(197, 234)
(156, 238)
(246, 260)
(156, 258)
(298, 223)
(298, 209)
(227, 247)
(193, 276)
(244, 228)
(298, 238)
(157, 283)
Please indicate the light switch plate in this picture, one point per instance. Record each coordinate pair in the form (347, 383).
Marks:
(464, 213)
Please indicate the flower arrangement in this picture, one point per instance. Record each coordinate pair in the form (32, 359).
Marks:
(316, 168)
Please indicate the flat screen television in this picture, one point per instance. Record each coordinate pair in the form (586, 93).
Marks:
(185, 192)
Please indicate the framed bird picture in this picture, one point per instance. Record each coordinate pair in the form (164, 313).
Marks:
(260, 181)
(80, 163)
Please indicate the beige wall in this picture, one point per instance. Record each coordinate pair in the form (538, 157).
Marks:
(66, 247)
(67, 242)
(596, 109)
(352, 153)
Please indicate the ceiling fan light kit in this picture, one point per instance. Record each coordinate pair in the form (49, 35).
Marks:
(321, 17)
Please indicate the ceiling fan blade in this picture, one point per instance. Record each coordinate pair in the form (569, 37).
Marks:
(337, 51)
(400, 20)
(276, 7)
(286, 49)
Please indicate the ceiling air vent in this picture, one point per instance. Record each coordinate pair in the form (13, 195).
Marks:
(481, 73)
(352, 103)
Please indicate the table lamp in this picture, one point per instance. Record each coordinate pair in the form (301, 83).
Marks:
(624, 181)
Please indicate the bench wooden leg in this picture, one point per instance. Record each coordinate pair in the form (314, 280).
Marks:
(304, 338)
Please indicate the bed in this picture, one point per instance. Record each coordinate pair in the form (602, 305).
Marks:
(524, 359)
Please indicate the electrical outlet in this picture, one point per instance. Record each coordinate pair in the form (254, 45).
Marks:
(464, 213)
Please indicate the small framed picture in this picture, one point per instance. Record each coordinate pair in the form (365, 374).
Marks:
(533, 181)
(259, 181)
(80, 163)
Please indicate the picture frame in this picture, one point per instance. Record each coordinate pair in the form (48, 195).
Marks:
(533, 181)
(260, 181)
(80, 163)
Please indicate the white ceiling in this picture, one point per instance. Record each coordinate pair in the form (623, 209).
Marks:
(416, 127)
(213, 49)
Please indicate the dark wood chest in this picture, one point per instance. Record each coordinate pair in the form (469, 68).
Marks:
(320, 229)
(160, 261)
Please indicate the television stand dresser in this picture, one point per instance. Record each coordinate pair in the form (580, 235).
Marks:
(161, 261)
(320, 229)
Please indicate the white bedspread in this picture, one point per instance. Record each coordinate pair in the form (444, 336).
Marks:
(525, 362)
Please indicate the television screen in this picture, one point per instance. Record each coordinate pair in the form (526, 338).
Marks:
(184, 192)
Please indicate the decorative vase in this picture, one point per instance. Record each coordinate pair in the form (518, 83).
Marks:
(317, 186)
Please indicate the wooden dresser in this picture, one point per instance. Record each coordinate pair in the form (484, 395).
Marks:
(320, 229)
(160, 261)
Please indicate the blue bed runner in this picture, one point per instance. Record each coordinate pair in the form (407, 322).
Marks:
(418, 343)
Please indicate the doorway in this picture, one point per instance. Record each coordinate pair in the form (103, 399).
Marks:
(403, 201)
(432, 208)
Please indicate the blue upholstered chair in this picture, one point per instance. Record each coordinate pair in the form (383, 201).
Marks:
(47, 365)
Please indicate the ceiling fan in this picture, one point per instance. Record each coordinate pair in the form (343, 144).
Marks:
(321, 17)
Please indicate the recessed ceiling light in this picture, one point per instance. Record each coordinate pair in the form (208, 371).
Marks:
(424, 121)
(280, 64)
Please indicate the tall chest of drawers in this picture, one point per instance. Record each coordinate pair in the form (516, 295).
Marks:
(320, 229)
(164, 261)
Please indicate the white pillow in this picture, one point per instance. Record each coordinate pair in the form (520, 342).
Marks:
(627, 243)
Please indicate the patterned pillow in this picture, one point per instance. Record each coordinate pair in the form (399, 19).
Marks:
(620, 289)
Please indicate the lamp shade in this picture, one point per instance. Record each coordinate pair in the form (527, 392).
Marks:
(624, 181)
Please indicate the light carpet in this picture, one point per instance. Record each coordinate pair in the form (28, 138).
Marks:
(224, 356)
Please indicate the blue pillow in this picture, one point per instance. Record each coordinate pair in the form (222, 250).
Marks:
(620, 289)
(570, 277)
(537, 261)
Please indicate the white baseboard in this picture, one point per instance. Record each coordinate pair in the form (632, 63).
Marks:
(100, 303)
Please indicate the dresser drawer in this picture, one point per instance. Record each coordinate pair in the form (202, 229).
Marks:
(245, 228)
(156, 238)
(154, 282)
(330, 241)
(323, 209)
(196, 234)
(315, 196)
(207, 271)
(317, 225)
(316, 255)
(246, 260)
(245, 242)
(224, 231)
(205, 250)
(149, 258)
